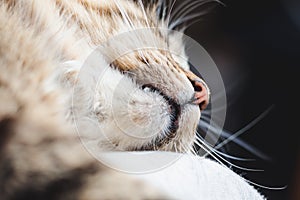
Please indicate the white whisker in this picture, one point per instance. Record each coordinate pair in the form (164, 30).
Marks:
(265, 187)
(144, 13)
(244, 129)
(189, 8)
(250, 182)
(125, 16)
(212, 152)
(180, 7)
(198, 137)
(229, 136)
(169, 13)
(185, 19)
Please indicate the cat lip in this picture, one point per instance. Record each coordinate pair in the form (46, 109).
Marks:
(174, 110)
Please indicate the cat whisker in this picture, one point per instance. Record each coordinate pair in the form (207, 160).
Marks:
(207, 117)
(181, 13)
(205, 113)
(216, 109)
(234, 137)
(162, 12)
(188, 8)
(266, 187)
(125, 16)
(211, 151)
(246, 128)
(234, 157)
(215, 157)
(170, 11)
(183, 20)
(193, 21)
(225, 154)
(188, 150)
(180, 7)
(144, 13)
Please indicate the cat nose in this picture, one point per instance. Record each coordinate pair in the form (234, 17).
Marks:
(201, 96)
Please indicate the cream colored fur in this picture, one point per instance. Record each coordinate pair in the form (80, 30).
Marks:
(127, 124)
(52, 91)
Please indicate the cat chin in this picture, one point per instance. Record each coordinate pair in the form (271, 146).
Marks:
(112, 112)
(95, 137)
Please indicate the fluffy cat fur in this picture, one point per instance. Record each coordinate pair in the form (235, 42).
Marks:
(43, 47)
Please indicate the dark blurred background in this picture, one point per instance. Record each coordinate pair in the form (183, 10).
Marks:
(256, 46)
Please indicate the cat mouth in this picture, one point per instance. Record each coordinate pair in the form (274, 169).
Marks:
(174, 110)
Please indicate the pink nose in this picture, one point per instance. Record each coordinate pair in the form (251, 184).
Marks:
(201, 94)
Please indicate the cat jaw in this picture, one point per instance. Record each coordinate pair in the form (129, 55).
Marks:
(112, 111)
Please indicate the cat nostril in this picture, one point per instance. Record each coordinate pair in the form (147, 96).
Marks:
(201, 99)
(201, 96)
(197, 87)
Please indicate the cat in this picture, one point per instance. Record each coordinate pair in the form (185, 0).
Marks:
(63, 70)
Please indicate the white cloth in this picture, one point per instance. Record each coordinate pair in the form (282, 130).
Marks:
(184, 176)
